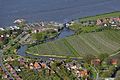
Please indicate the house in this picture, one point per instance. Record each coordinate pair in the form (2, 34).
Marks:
(83, 73)
(18, 78)
(2, 37)
(2, 29)
(43, 65)
(116, 19)
(26, 65)
(95, 62)
(99, 22)
(14, 28)
(7, 35)
(74, 67)
(14, 74)
(31, 66)
(105, 25)
(114, 61)
(37, 30)
(22, 61)
(5, 76)
(105, 20)
(36, 65)
(10, 59)
(17, 69)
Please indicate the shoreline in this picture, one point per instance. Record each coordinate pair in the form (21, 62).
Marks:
(107, 13)
(12, 24)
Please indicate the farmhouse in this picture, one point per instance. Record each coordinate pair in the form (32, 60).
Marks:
(95, 62)
(36, 65)
(114, 61)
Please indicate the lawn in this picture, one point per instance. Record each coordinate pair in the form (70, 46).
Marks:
(95, 43)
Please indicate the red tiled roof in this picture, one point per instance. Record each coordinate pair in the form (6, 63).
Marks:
(114, 61)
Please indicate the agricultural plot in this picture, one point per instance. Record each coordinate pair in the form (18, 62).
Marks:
(87, 43)
(51, 48)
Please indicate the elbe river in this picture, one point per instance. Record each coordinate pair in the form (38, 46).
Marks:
(53, 10)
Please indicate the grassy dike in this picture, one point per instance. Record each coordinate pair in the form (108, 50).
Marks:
(105, 15)
(78, 27)
(54, 56)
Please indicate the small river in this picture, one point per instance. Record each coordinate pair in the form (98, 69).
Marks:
(64, 33)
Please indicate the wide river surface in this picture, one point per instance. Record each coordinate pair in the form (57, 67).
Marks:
(53, 10)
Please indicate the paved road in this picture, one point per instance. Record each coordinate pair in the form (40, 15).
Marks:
(1, 55)
(115, 54)
(97, 73)
(3, 67)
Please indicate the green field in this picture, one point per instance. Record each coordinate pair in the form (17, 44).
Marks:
(95, 43)
(106, 15)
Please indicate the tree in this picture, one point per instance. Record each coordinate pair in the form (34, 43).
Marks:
(103, 56)
(88, 58)
(78, 31)
(39, 36)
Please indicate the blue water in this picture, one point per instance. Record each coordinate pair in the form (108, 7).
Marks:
(55, 10)
(64, 33)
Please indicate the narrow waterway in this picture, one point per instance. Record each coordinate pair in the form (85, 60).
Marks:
(64, 33)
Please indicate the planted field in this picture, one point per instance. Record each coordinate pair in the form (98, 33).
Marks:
(87, 43)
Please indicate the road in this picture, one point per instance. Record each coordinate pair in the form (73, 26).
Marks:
(3, 67)
(1, 55)
(97, 73)
(115, 54)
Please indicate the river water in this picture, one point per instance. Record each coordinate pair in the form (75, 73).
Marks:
(64, 33)
(53, 10)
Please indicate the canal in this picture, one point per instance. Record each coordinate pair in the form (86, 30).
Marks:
(64, 33)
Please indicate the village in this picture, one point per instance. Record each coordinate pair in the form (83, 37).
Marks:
(110, 22)
(23, 68)
(79, 69)
(30, 31)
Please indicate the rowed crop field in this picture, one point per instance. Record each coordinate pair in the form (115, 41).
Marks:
(87, 43)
